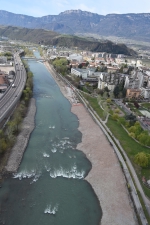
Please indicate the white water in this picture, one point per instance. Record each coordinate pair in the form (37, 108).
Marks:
(51, 127)
(51, 210)
(27, 174)
(54, 150)
(72, 173)
(46, 155)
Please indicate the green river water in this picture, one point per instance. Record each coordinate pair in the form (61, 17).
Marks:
(49, 187)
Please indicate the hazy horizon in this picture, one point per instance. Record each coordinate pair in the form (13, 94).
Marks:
(45, 7)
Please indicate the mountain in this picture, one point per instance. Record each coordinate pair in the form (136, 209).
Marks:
(52, 38)
(134, 26)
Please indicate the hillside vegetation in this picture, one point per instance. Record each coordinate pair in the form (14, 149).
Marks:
(40, 36)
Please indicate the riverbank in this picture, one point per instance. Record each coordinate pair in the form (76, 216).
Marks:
(106, 176)
(59, 82)
(22, 139)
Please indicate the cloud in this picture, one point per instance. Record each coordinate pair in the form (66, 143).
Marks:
(86, 8)
(37, 12)
(61, 3)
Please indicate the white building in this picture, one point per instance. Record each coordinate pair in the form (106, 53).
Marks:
(110, 80)
(138, 63)
(85, 73)
(134, 81)
(102, 80)
(76, 57)
(3, 59)
(145, 92)
(79, 72)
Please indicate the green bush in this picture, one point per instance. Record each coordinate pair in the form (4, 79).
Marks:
(108, 100)
(115, 116)
(117, 111)
(142, 159)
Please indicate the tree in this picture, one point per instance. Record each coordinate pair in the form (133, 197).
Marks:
(80, 65)
(108, 95)
(106, 89)
(116, 91)
(121, 85)
(101, 92)
(1, 134)
(7, 54)
(122, 120)
(142, 138)
(103, 69)
(131, 118)
(117, 111)
(132, 129)
(127, 124)
(108, 100)
(87, 63)
(148, 141)
(124, 91)
(121, 69)
(115, 116)
(17, 120)
(142, 159)
(138, 130)
(60, 65)
(3, 145)
(136, 105)
(97, 69)
(22, 110)
(132, 135)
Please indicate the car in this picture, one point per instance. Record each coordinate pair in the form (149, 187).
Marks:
(13, 85)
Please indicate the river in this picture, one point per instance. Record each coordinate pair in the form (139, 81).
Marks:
(49, 187)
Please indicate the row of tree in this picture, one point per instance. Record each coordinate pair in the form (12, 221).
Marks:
(134, 128)
(139, 134)
(28, 52)
(7, 54)
(61, 65)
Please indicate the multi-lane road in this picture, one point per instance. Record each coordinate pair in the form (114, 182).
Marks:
(13, 93)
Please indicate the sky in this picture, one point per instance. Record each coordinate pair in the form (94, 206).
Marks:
(38, 8)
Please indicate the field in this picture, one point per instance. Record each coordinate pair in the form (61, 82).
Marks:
(131, 147)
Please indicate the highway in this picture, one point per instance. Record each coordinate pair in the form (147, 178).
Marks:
(13, 94)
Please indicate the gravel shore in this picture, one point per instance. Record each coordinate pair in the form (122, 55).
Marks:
(22, 139)
(106, 176)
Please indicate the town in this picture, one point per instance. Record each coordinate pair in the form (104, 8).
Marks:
(105, 70)
(114, 86)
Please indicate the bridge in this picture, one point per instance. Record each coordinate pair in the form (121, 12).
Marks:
(34, 59)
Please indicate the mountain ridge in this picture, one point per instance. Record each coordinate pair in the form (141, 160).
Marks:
(130, 25)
